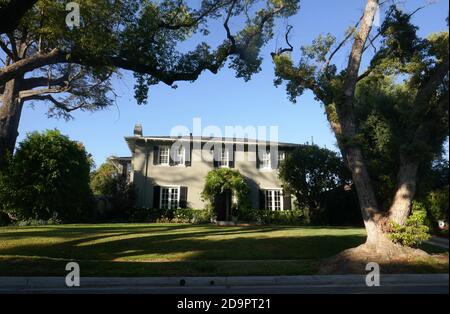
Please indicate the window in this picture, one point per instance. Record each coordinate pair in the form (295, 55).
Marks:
(224, 158)
(281, 157)
(170, 197)
(265, 161)
(164, 155)
(180, 156)
(274, 200)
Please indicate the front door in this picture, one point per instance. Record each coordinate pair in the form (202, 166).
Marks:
(223, 206)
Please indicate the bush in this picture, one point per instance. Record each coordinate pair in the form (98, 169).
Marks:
(116, 192)
(38, 222)
(47, 176)
(414, 232)
(292, 217)
(180, 215)
(4, 219)
(437, 205)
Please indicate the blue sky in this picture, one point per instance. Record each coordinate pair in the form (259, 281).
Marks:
(222, 99)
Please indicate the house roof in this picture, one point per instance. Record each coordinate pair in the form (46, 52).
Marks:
(131, 140)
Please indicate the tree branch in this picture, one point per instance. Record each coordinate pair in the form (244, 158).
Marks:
(22, 66)
(34, 82)
(6, 49)
(25, 94)
(286, 37)
(57, 104)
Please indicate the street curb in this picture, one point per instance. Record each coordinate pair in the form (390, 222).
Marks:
(26, 283)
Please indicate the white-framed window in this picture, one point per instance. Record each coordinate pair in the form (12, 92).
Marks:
(281, 157)
(266, 161)
(180, 156)
(274, 199)
(164, 155)
(170, 197)
(224, 158)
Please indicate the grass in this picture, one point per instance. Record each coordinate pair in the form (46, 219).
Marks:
(170, 250)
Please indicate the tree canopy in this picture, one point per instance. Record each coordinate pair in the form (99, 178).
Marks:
(390, 120)
(48, 177)
(309, 171)
(70, 68)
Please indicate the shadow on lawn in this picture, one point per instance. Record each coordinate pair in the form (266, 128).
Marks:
(203, 243)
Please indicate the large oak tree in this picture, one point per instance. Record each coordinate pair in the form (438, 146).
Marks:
(417, 118)
(69, 68)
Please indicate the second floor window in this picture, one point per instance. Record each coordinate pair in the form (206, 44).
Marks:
(180, 156)
(281, 157)
(224, 159)
(164, 155)
(266, 161)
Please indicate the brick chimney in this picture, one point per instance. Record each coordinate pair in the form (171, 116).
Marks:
(138, 129)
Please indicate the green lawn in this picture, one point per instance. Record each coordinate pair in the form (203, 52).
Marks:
(169, 249)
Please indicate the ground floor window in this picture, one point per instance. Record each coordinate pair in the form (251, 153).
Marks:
(170, 197)
(274, 199)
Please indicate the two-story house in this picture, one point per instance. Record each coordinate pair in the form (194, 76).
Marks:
(170, 172)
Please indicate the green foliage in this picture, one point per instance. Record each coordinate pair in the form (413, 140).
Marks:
(401, 105)
(218, 181)
(294, 217)
(4, 219)
(414, 232)
(48, 177)
(107, 183)
(103, 180)
(180, 215)
(309, 171)
(436, 204)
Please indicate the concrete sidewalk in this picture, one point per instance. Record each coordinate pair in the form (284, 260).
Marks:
(415, 283)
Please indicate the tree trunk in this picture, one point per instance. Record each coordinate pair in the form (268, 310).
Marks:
(366, 195)
(10, 112)
(406, 188)
(347, 126)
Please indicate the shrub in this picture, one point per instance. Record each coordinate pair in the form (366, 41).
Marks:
(4, 219)
(269, 217)
(180, 215)
(119, 194)
(437, 205)
(47, 176)
(145, 214)
(414, 232)
(189, 215)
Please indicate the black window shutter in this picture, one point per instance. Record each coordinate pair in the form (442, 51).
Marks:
(287, 201)
(233, 156)
(257, 157)
(262, 199)
(216, 159)
(156, 155)
(156, 196)
(183, 196)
